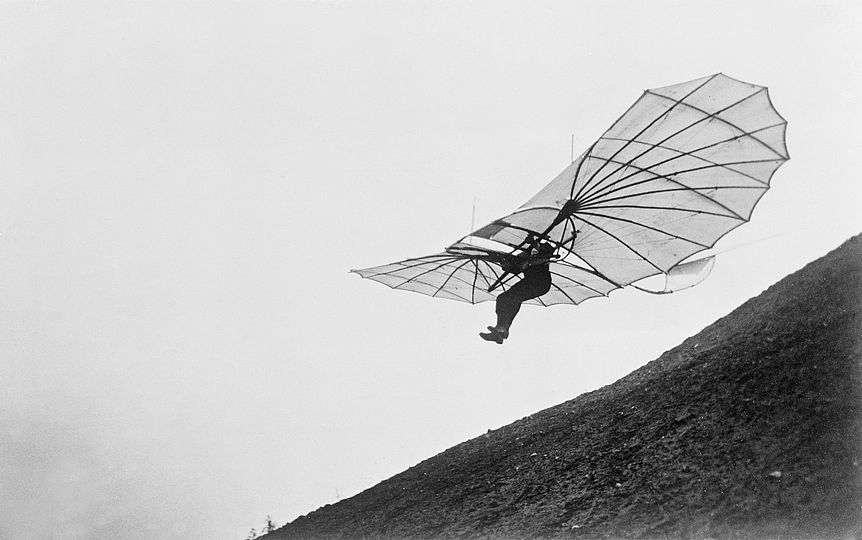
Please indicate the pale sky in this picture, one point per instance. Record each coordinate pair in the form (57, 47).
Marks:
(184, 187)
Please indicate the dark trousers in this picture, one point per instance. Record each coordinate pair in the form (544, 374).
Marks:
(533, 285)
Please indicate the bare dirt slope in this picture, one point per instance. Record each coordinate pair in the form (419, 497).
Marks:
(750, 429)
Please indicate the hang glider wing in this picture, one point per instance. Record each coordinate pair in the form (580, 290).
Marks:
(680, 277)
(682, 167)
(467, 278)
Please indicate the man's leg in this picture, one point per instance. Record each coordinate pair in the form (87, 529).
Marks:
(508, 306)
(509, 302)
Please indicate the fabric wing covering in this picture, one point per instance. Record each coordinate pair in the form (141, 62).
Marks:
(682, 167)
(681, 276)
(468, 279)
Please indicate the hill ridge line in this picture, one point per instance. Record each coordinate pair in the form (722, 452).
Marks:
(749, 428)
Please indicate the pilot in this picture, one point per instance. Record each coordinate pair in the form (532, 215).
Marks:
(534, 264)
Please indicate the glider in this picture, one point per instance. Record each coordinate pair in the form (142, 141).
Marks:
(682, 167)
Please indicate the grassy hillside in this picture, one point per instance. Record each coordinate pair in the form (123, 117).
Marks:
(750, 429)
